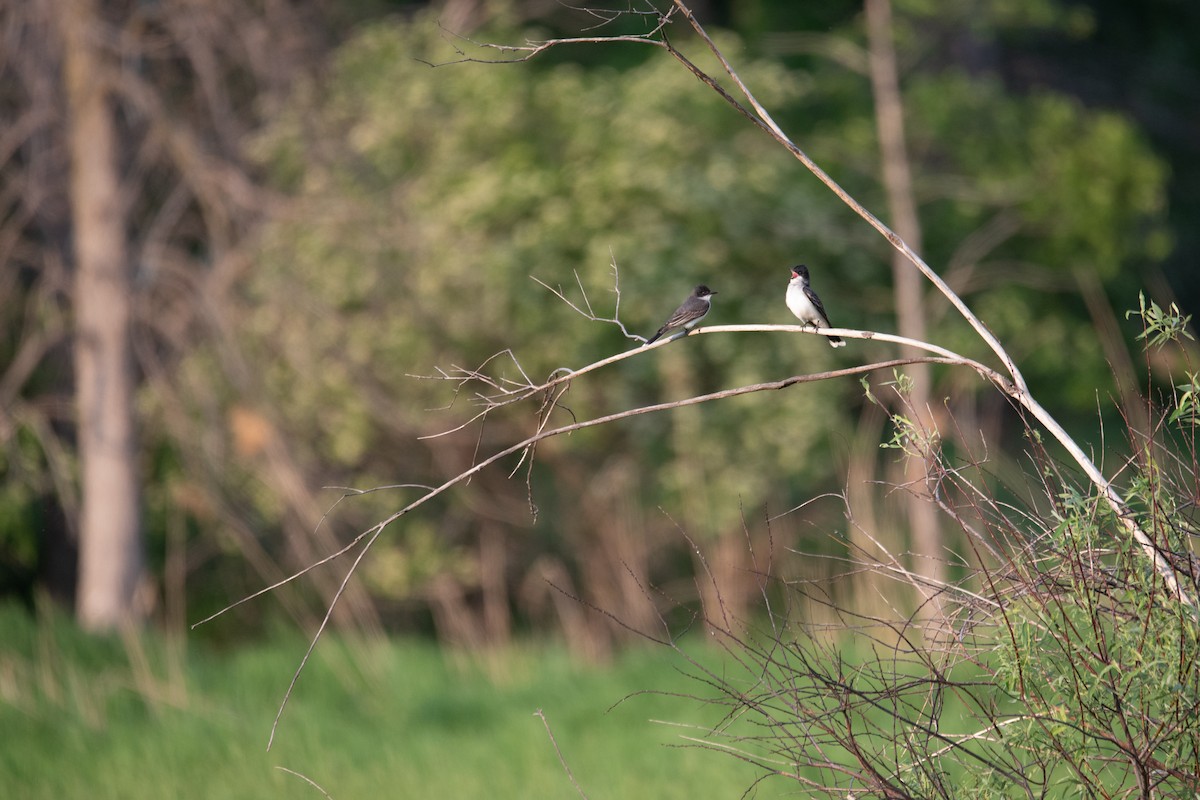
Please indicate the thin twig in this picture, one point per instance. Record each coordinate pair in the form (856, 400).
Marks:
(378, 529)
(561, 760)
(306, 779)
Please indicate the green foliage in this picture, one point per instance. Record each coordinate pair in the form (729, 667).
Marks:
(1104, 662)
(1158, 326)
(1062, 663)
(1187, 402)
(25, 480)
(1098, 657)
(1018, 194)
(1046, 189)
(906, 436)
(425, 198)
(990, 17)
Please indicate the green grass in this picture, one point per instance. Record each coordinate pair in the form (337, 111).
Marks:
(106, 718)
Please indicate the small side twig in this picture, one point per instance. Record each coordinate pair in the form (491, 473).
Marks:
(558, 751)
(587, 311)
(307, 780)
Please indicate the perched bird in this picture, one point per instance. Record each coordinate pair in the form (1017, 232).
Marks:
(804, 303)
(688, 314)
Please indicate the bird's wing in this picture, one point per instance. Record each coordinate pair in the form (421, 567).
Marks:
(816, 301)
(685, 313)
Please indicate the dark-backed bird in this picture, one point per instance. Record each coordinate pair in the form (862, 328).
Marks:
(688, 314)
(804, 303)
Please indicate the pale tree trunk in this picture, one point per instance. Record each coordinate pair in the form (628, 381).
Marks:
(110, 554)
(910, 303)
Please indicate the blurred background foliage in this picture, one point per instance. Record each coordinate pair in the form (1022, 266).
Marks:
(415, 206)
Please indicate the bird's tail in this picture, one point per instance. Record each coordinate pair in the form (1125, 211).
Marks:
(835, 341)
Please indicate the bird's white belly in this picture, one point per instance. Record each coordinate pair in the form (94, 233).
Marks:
(799, 304)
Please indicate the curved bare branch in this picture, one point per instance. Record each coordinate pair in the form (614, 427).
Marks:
(760, 117)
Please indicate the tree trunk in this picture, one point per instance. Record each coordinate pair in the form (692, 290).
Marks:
(910, 302)
(110, 553)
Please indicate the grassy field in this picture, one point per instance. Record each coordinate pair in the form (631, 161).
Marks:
(141, 718)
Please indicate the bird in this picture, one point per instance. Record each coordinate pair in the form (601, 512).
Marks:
(804, 303)
(688, 314)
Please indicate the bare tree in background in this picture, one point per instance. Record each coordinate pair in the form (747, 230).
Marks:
(110, 546)
(127, 213)
(910, 301)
